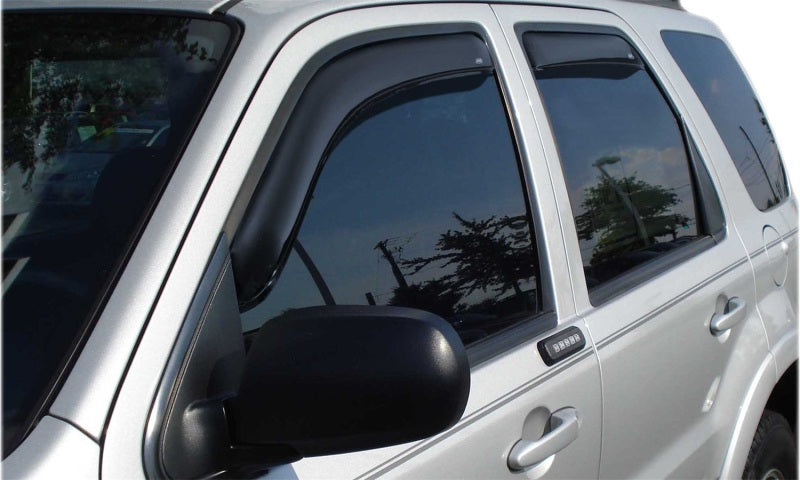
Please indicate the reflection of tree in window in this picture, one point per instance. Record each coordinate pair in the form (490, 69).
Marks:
(492, 255)
(76, 81)
(615, 207)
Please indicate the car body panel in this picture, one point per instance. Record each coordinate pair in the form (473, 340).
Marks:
(202, 6)
(658, 359)
(776, 305)
(53, 449)
(90, 390)
(519, 367)
(747, 419)
(770, 237)
(650, 358)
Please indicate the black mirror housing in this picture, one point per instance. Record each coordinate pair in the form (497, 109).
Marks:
(335, 379)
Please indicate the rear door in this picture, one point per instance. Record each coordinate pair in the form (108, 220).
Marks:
(660, 275)
(741, 142)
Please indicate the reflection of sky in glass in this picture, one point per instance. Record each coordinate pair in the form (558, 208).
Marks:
(593, 118)
(730, 101)
(399, 177)
(628, 118)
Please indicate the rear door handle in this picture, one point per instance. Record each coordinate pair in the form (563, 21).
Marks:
(564, 426)
(734, 312)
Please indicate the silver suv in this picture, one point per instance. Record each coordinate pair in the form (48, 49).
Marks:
(391, 239)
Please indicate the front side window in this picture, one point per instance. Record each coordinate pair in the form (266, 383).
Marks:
(731, 103)
(419, 204)
(630, 179)
(96, 110)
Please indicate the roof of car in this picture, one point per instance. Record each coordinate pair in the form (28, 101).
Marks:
(207, 6)
(210, 6)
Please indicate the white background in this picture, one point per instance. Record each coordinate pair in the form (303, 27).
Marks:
(765, 36)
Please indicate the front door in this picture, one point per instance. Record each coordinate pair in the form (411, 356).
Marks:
(422, 193)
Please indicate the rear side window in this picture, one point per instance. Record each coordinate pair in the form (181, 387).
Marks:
(633, 184)
(733, 107)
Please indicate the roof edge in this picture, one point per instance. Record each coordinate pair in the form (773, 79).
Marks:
(673, 4)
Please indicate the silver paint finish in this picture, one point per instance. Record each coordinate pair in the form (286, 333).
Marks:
(734, 312)
(775, 306)
(785, 352)
(480, 448)
(564, 427)
(206, 291)
(703, 407)
(55, 449)
(773, 474)
(494, 381)
(90, 390)
(777, 252)
(198, 6)
(752, 405)
(669, 385)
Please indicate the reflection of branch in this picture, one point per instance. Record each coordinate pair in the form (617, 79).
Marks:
(775, 196)
(607, 215)
(419, 263)
(637, 218)
(398, 275)
(314, 272)
(487, 254)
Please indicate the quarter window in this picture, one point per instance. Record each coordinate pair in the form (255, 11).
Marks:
(736, 112)
(419, 204)
(630, 178)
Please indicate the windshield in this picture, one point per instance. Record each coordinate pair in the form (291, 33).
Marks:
(96, 110)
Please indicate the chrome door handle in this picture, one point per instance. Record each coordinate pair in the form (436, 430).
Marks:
(734, 312)
(564, 426)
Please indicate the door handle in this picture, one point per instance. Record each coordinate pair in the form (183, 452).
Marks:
(734, 312)
(564, 426)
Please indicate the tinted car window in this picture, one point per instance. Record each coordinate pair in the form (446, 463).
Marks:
(630, 180)
(94, 120)
(420, 204)
(733, 107)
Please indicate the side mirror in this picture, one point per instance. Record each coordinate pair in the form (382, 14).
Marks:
(325, 380)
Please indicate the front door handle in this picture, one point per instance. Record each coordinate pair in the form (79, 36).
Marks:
(734, 313)
(564, 426)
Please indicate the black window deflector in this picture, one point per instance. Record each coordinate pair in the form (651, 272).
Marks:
(264, 236)
(555, 54)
